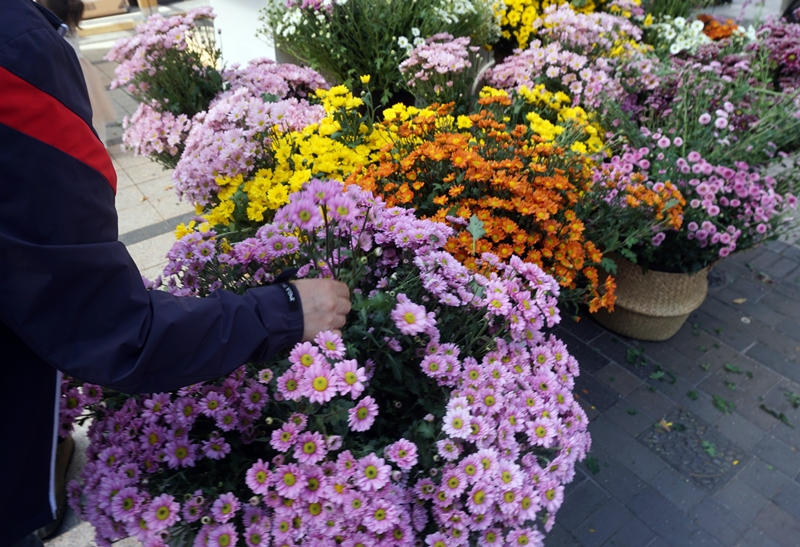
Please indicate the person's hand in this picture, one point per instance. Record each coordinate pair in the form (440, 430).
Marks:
(326, 304)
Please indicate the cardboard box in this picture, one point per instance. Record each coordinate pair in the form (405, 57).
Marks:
(99, 8)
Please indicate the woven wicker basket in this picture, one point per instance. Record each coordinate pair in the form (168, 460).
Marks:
(652, 305)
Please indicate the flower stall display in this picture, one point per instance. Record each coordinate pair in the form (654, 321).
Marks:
(442, 70)
(443, 413)
(172, 67)
(519, 18)
(349, 38)
(245, 157)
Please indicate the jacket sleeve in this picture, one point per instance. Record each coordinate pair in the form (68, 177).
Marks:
(68, 288)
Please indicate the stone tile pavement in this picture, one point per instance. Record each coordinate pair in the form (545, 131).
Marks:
(723, 466)
(723, 382)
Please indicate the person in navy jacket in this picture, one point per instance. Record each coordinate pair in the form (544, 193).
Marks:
(71, 299)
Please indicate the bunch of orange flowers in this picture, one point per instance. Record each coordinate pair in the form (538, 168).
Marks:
(522, 188)
(717, 30)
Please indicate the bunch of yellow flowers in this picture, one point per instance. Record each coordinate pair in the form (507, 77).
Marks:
(339, 144)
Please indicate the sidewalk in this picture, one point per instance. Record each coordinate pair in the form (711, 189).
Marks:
(644, 486)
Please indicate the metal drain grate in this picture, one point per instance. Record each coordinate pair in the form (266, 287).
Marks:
(695, 449)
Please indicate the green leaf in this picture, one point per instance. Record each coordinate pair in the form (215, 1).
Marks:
(632, 411)
(723, 405)
(475, 228)
(710, 448)
(779, 415)
(731, 386)
(608, 265)
(657, 375)
(592, 465)
(693, 394)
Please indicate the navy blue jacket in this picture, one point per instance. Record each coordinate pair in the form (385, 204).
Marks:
(71, 298)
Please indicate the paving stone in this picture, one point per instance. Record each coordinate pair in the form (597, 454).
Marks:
(694, 346)
(702, 407)
(777, 453)
(776, 362)
(641, 461)
(763, 477)
(661, 516)
(734, 332)
(779, 525)
(742, 499)
(789, 327)
(600, 396)
(762, 382)
(764, 260)
(602, 523)
(577, 481)
(634, 534)
(741, 431)
(560, 537)
(752, 290)
(719, 521)
(781, 268)
(682, 492)
(584, 330)
(659, 542)
(654, 403)
(788, 498)
(608, 436)
(618, 379)
(780, 301)
(674, 388)
(589, 359)
(716, 359)
(613, 347)
(751, 409)
(618, 480)
(629, 417)
(581, 503)
(754, 537)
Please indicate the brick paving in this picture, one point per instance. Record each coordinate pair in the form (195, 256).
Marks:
(729, 375)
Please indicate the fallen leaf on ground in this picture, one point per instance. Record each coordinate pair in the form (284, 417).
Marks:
(739, 300)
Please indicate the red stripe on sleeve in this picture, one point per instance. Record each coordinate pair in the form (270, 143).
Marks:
(33, 112)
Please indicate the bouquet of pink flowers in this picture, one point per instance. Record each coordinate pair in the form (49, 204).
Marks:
(442, 413)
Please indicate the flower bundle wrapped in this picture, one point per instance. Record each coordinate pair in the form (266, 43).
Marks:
(245, 157)
(672, 36)
(349, 38)
(779, 41)
(281, 81)
(520, 182)
(231, 141)
(559, 69)
(443, 413)
(711, 210)
(442, 70)
(519, 19)
(171, 67)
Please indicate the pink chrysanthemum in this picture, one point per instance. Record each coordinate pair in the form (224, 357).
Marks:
(256, 535)
(454, 482)
(289, 481)
(258, 478)
(305, 354)
(349, 378)
(180, 453)
(284, 438)
(380, 516)
(403, 453)
(288, 385)
(225, 507)
(162, 513)
(331, 344)
(409, 318)
(456, 423)
(216, 448)
(362, 416)
(212, 403)
(448, 449)
(373, 473)
(318, 384)
(309, 448)
(223, 535)
(125, 505)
